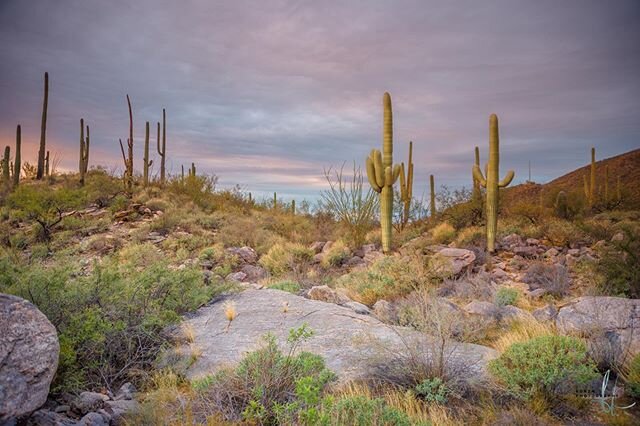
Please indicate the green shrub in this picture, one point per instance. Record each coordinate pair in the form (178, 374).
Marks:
(337, 253)
(547, 364)
(433, 390)
(288, 286)
(619, 265)
(283, 258)
(506, 296)
(632, 378)
(361, 411)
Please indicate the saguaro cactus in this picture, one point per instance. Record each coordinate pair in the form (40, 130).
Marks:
(83, 165)
(128, 158)
(477, 194)
(162, 152)
(146, 162)
(382, 174)
(6, 172)
(293, 207)
(561, 206)
(491, 182)
(16, 161)
(193, 169)
(275, 200)
(406, 187)
(43, 129)
(432, 186)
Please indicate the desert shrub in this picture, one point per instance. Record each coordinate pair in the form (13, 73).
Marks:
(464, 214)
(101, 188)
(619, 265)
(338, 252)
(443, 233)
(286, 257)
(347, 200)
(198, 189)
(632, 377)
(553, 278)
(548, 365)
(288, 286)
(506, 296)
(268, 386)
(561, 232)
(361, 411)
(472, 236)
(432, 390)
(521, 331)
(223, 261)
(532, 212)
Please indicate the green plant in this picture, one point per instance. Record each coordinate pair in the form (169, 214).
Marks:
(337, 253)
(547, 364)
(84, 152)
(406, 187)
(6, 171)
(146, 163)
(443, 233)
(382, 174)
(506, 296)
(590, 186)
(562, 210)
(432, 204)
(162, 151)
(16, 161)
(619, 264)
(43, 129)
(432, 390)
(360, 410)
(284, 257)
(632, 377)
(288, 286)
(491, 183)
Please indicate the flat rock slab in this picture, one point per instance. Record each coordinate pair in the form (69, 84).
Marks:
(350, 343)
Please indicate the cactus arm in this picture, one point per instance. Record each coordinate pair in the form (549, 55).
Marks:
(371, 175)
(379, 169)
(395, 174)
(507, 179)
(403, 183)
(477, 175)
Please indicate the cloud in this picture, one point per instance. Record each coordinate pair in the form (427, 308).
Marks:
(266, 94)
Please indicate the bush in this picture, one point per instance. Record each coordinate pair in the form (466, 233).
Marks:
(472, 236)
(553, 278)
(268, 386)
(361, 411)
(285, 257)
(548, 365)
(433, 390)
(337, 253)
(632, 377)
(288, 286)
(619, 265)
(506, 296)
(443, 233)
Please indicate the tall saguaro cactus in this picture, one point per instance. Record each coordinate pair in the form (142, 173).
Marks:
(477, 194)
(382, 174)
(43, 129)
(432, 186)
(491, 183)
(128, 158)
(162, 152)
(16, 161)
(146, 162)
(84, 152)
(6, 172)
(406, 186)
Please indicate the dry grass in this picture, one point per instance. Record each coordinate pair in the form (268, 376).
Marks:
(522, 331)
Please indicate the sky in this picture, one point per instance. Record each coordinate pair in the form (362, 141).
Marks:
(267, 94)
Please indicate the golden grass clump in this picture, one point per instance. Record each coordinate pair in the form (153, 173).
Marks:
(443, 233)
(521, 331)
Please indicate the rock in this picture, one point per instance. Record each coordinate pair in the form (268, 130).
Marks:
(614, 317)
(93, 419)
(498, 274)
(511, 313)
(548, 313)
(236, 277)
(318, 258)
(512, 240)
(206, 264)
(29, 351)
(126, 392)
(245, 254)
(46, 417)
(619, 236)
(537, 293)
(525, 251)
(533, 242)
(483, 309)
(354, 261)
(207, 276)
(62, 409)
(89, 401)
(325, 293)
(358, 308)
(385, 311)
(368, 248)
(352, 345)
(372, 256)
(326, 247)
(573, 252)
(118, 409)
(552, 252)
(317, 246)
(459, 260)
(253, 273)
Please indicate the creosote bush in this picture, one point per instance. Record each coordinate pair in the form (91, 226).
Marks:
(285, 257)
(506, 296)
(546, 365)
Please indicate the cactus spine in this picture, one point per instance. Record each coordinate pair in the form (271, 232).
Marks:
(406, 186)
(382, 174)
(161, 152)
(84, 152)
(16, 162)
(43, 129)
(6, 172)
(491, 183)
(146, 162)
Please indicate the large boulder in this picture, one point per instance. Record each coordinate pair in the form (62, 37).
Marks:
(352, 345)
(29, 351)
(457, 260)
(244, 254)
(616, 318)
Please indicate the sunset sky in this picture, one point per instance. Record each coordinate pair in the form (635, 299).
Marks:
(266, 94)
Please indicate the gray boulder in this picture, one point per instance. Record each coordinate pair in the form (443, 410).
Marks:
(324, 293)
(89, 401)
(253, 273)
(244, 254)
(28, 357)
(351, 344)
(459, 260)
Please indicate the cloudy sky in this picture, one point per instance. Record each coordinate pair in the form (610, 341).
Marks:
(267, 93)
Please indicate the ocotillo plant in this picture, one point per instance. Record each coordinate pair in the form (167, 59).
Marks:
(43, 129)
(590, 188)
(491, 183)
(432, 186)
(146, 163)
(83, 165)
(382, 174)
(16, 161)
(561, 206)
(6, 172)
(406, 187)
(162, 152)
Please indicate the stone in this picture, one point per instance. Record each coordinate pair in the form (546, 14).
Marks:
(354, 261)
(548, 313)
(118, 409)
(93, 419)
(573, 252)
(459, 260)
(372, 256)
(317, 246)
(525, 251)
(358, 307)
(499, 274)
(244, 254)
(368, 248)
(512, 240)
(236, 277)
(552, 252)
(206, 264)
(29, 351)
(126, 392)
(537, 293)
(385, 311)
(616, 318)
(484, 309)
(44, 417)
(512, 313)
(207, 276)
(254, 273)
(89, 401)
(533, 242)
(327, 246)
(325, 293)
(619, 236)
(351, 344)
